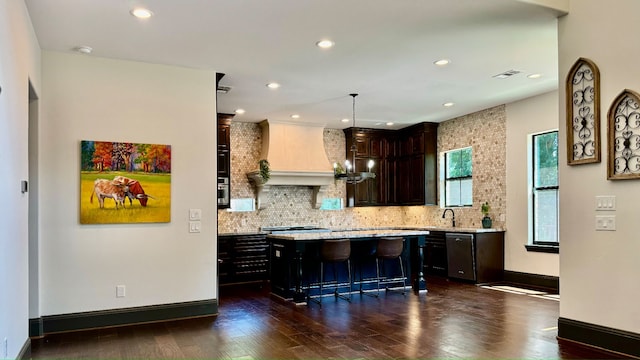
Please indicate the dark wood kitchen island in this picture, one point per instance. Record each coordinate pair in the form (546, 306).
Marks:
(294, 259)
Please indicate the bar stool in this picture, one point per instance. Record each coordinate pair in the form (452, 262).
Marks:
(334, 252)
(390, 248)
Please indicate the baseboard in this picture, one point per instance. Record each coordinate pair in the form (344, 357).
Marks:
(126, 316)
(603, 337)
(25, 352)
(535, 280)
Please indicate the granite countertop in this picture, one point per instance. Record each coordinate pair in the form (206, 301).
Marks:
(349, 234)
(377, 232)
(368, 232)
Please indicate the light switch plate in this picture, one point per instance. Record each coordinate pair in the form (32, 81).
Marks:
(120, 291)
(605, 222)
(194, 226)
(605, 203)
(195, 214)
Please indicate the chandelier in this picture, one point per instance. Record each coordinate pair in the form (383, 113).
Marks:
(349, 173)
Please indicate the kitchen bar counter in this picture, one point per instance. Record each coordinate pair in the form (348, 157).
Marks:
(294, 258)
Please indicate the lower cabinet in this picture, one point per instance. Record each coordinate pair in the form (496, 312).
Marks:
(243, 258)
(475, 257)
(435, 254)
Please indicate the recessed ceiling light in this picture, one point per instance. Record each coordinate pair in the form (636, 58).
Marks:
(534, 76)
(295, 116)
(442, 62)
(83, 49)
(345, 120)
(273, 85)
(389, 123)
(448, 104)
(141, 13)
(239, 111)
(325, 44)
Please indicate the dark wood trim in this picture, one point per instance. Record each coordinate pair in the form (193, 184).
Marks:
(25, 352)
(543, 248)
(35, 328)
(128, 316)
(535, 280)
(603, 337)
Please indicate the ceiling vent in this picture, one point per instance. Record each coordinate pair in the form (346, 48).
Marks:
(507, 74)
(223, 89)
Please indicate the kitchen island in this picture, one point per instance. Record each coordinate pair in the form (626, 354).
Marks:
(294, 257)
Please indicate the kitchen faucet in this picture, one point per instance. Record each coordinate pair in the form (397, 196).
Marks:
(453, 219)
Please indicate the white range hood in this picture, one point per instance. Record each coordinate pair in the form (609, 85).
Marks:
(296, 157)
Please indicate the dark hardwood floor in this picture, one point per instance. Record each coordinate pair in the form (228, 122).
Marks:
(452, 320)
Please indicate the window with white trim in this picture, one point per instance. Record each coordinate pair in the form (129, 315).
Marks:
(543, 201)
(458, 177)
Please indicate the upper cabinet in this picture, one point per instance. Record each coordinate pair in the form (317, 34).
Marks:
(405, 165)
(224, 145)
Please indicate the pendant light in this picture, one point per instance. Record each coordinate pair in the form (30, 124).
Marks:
(350, 173)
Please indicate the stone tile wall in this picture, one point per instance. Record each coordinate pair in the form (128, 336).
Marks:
(291, 205)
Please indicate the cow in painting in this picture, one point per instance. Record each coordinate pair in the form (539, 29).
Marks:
(104, 188)
(135, 189)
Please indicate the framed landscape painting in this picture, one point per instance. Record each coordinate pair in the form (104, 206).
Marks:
(123, 183)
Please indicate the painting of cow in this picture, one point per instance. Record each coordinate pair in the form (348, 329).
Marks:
(104, 188)
(135, 190)
(120, 171)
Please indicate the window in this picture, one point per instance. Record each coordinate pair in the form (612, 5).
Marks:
(458, 179)
(544, 189)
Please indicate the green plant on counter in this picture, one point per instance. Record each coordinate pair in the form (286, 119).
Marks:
(265, 171)
(485, 208)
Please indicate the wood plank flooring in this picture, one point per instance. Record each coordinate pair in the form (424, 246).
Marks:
(452, 320)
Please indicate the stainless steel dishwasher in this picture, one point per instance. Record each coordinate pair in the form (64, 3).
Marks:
(461, 256)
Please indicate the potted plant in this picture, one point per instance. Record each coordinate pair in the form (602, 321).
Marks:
(265, 171)
(486, 220)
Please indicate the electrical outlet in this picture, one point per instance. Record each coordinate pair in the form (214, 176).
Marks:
(121, 291)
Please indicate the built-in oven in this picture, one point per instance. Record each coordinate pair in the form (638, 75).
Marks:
(223, 192)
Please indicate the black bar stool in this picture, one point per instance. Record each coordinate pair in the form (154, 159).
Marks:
(334, 252)
(390, 248)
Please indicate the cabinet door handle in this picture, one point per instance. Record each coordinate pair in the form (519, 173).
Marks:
(460, 272)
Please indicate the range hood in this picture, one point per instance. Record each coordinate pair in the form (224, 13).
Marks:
(296, 157)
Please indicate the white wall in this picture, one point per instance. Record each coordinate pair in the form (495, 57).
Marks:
(599, 270)
(19, 62)
(532, 115)
(90, 98)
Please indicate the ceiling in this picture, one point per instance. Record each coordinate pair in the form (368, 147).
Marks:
(384, 50)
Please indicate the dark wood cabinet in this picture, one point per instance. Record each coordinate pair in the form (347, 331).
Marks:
(405, 165)
(435, 254)
(224, 145)
(475, 257)
(418, 165)
(243, 258)
(369, 144)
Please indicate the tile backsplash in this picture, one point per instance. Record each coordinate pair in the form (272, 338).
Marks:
(485, 131)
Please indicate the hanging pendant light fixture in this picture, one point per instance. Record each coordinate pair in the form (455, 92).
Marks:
(350, 173)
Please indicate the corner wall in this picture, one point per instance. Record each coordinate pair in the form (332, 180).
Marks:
(19, 64)
(599, 269)
(90, 98)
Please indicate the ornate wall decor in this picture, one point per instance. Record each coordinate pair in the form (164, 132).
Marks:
(583, 113)
(624, 137)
